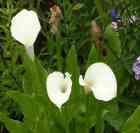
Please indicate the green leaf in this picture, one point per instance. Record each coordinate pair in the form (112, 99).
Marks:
(113, 40)
(73, 69)
(78, 6)
(123, 80)
(133, 122)
(34, 77)
(115, 119)
(54, 119)
(35, 115)
(41, 76)
(100, 8)
(93, 56)
(13, 126)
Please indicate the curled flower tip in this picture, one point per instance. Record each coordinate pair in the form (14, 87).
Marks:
(136, 68)
(67, 75)
(25, 27)
(55, 18)
(59, 88)
(100, 79)
(87, 84)
(81, 81)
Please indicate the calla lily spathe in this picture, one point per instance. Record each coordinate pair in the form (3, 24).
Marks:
(25, 27)
(59, 87)
(100, 79)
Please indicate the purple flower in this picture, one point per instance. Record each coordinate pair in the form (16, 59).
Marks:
(116, 20)
(136, 68)
(114, 14)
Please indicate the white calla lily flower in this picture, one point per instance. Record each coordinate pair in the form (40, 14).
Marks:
(59, 87)
(100, 79)
(25, 27)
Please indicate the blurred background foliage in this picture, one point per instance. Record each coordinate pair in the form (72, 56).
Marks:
(122, 49)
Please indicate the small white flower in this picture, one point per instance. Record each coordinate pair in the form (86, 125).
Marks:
(25, 27)
(114, 25)
(59, 87)
(133, 19)
(100, 79)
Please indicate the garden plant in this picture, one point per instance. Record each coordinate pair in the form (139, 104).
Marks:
(69, 66)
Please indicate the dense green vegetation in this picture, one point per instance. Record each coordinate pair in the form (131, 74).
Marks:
(24, 104)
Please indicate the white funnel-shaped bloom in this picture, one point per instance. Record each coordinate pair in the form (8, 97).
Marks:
(25, 27)
(59, 87)
(100, 79)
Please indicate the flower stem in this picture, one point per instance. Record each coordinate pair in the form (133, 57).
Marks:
(30, 51)
(99, 127)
